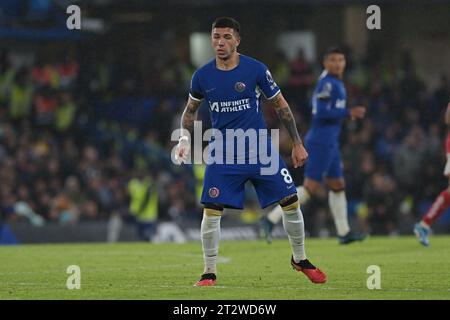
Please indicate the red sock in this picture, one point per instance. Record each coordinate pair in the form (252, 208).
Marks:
(441, 203)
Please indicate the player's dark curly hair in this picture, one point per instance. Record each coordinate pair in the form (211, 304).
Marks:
(227, 22)
(332, 50)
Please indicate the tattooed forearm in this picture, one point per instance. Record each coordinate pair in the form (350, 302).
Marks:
(189, 115)
(286, 117)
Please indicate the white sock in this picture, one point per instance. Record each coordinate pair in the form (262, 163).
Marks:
(210, 234)
(303, 195)
(338, 207)
(275, 215)
(294, 227)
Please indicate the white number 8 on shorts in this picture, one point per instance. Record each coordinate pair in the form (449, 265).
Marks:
(287, 177)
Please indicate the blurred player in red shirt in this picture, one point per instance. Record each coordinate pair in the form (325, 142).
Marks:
(442, 202)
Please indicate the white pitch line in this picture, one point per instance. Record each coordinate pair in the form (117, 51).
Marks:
(310, 288)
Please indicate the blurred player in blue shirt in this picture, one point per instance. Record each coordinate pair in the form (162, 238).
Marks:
(232, 85)
(322, 143)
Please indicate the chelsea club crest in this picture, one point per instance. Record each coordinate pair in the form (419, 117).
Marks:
(213, 192)
(239, 86)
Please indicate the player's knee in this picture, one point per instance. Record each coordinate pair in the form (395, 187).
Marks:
(290, 203)
(213, 209)
(338, 188)
(336, 185)
(311, 186)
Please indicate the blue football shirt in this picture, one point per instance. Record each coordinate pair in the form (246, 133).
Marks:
(328, 110)
(234, 97)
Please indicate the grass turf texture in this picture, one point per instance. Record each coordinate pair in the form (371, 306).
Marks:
(247, 270)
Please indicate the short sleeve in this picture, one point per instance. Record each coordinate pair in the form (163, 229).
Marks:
(266, 83)
(324, 91)
(196, 92)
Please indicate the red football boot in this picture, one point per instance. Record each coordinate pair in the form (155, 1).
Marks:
(314, 274)
(207, 279)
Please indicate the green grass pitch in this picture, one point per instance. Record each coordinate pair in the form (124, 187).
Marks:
(246, 270)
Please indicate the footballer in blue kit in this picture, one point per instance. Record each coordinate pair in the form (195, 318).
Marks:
(232, 86)
(322, 139)
(322, 142)
(234, 100)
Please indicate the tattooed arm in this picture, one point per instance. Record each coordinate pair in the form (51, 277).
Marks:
(299, 154)
(189, 115)
(286, 117)
(187, 129)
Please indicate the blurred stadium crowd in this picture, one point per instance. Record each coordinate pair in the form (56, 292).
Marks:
(75, 129)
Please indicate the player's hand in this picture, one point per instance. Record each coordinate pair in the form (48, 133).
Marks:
(182, 149)
(299, 155)
(357, 112)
